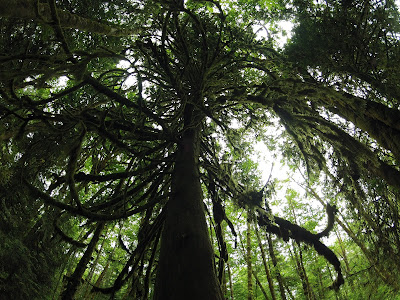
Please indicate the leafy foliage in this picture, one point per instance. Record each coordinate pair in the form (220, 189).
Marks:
(102, 133)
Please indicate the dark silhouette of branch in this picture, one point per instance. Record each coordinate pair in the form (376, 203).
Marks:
(285, 229)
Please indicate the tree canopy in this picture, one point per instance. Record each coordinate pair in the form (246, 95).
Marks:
(127, 129)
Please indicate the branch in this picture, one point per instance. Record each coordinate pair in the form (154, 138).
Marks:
(331, 210)
(98, 86)
(83, 211)
(26, 9)
(136, 256)
(285, 229)
(67, 238)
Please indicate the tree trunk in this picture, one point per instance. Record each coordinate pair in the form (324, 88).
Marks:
(75, 279)
(186, 268)
(320, 287)
(298, 257)
(248, 259)
(275, 263)
(230, 280)
(343, 249)
(264, 260)
(260, 285)
(84, 291)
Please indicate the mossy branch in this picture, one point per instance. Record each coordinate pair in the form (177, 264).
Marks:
(285, 229)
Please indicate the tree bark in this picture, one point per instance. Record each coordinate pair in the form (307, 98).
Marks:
(186, 268)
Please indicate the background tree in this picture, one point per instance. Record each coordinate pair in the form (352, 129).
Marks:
(116, 146)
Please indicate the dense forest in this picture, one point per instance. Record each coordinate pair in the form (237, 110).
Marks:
(183, 149)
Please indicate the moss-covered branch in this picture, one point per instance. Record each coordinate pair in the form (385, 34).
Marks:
(285, 229)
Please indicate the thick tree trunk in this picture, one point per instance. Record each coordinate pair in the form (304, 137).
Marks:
(186, 268)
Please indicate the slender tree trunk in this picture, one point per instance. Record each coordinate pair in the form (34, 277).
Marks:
(186, 268)
(332, 278)
(275, 263)
(104, 275)
(75, 279)
(298, 257)
(264, 260)
(248, 259)
(288, 291)
(150, 264)
(260, 285)
(85, 289)
(230, 280)
(299, 261)
(66, 269)
(321, 294)
(346, 261)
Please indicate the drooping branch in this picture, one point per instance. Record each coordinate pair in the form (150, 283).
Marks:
(85, 212)
(378, 120)
(360, 158)
(285, 229)
(152, 235)
(331, 210)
